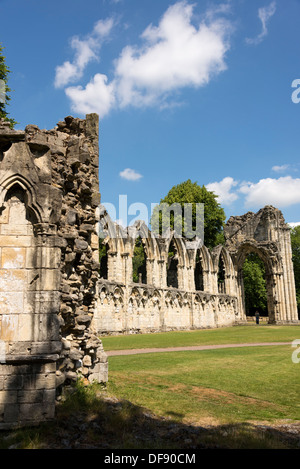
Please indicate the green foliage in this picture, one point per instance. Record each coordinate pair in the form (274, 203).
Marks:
(138, 261)
(191, 193)
(102, 249)
(4, 72)
(103, 258)
(255, 285)
(295, 240)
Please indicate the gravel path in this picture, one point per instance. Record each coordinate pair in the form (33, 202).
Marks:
(112, 353)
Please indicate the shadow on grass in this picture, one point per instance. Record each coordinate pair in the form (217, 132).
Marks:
(88, 418)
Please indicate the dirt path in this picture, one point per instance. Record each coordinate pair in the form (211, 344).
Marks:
(112, 353)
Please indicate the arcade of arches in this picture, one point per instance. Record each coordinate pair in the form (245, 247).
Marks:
(184, 285)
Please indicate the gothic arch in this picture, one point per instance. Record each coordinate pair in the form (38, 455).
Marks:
(175, 264)
(15, 183)
(273, 268)
(139, 260)
(202, 256)
(222, 259)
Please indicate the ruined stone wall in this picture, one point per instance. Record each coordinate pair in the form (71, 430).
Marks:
(143, 309)
(48, 266)
(156, 305)
(217, 300)
(266, 234)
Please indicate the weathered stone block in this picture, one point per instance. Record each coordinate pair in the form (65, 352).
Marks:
(8, 397)
(11, 302)
(13, 383)
(36, 412)
(81, 245)
(11, 413)
(15, 241)
(29, 397)
(12, 280)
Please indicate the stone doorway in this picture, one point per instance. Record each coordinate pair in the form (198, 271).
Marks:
(258, 257)
(255, 296)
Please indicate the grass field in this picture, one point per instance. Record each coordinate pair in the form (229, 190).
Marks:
(228, 335)
(212, 387)
(234, 398)
(215, 386)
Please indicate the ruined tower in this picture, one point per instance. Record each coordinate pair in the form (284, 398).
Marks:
(49, 191)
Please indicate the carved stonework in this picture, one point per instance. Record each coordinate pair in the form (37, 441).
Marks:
(217, 272)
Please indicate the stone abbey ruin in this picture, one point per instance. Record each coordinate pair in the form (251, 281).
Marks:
(56, 300)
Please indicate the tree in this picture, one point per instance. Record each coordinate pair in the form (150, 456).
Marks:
(254, 285)
(4, 89)
(295, 241)
(191, 193)
(139, 262)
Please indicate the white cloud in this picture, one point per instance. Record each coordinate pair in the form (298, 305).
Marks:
(264, 14)
(130, 175)
(85, 50)
(97, 96)
(293, 225)
(222, 189)
(281, 192)
(173, 55)
(282, 168)
(103, 28)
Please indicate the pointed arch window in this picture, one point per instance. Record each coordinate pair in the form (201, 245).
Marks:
(172, 266)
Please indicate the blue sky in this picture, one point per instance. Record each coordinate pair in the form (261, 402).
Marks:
(200, 90)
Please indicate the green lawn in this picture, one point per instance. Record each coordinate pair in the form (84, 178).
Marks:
(223, 385)
(228, 335)
(182, 400)
(213, 386)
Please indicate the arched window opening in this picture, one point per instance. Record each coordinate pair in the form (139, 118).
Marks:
(17, 199)
(103, 259)
(199, 284)
(221, 276)
(139, 273)
(172, 267)
(254, 282)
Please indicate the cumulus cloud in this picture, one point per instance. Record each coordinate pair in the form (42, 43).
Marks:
(281, 192)
(264, 14)
(98, 96)
(130, 175)
(86, 49)
(177, 53)
(222, 190)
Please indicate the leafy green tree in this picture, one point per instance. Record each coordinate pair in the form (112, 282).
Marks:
(295, 241)
(254, 285)
(191, 193)
(139, 262)
(4, 89)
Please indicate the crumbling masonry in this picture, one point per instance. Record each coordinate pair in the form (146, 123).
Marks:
(49, 266)
(56, 299)
(199, 287)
